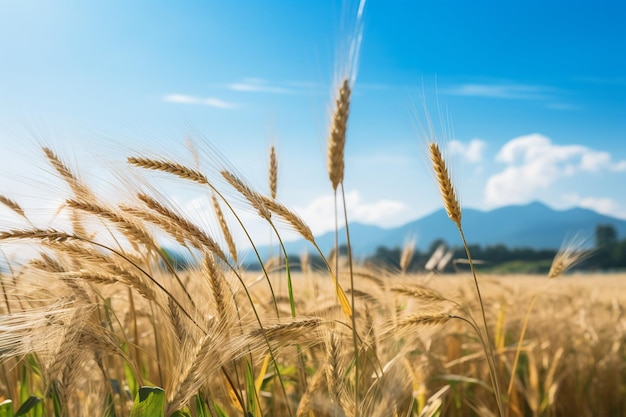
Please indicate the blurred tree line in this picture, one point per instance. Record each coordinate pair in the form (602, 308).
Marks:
(608, 253)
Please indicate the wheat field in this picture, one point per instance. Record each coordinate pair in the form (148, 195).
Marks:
(97, 318)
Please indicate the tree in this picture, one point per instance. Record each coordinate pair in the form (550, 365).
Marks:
(606, 235)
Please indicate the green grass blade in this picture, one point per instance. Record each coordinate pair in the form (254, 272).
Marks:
(28, 405)
(131, 380)
(201, 408)
(292, 301)
(220, 412)
(150, 402)
(56, 400)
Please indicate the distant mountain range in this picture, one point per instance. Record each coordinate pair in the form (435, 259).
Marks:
(533, 225)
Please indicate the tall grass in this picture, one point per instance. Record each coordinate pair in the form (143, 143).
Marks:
(96, 317)
(89, 320)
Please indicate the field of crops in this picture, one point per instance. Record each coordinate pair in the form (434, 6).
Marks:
(97, 318)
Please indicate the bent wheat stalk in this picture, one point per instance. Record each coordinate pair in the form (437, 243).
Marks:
(453, 209)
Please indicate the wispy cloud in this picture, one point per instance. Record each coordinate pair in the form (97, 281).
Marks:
(503, 91)
(258, 85)
(603, 205)
(471, 152)
(204, 101)
(319, 214)
(286, 87)
(534, 163)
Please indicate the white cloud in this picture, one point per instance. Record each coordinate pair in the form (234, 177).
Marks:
(534, 163)
(618, 166)
(603, 205)
(472, 151)
(320, 217)
(257, 85)
(209, 101)
(594, 161)
(506, 91)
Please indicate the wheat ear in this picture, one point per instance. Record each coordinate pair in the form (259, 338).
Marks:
(317, 385)
(222, 295)
(183, 228)
(290, 217)
(567, 256)
(79, 189)
(453, 208)
(450, 201)
(337, 136)
(273, 173)
(418, 291)
(12, 205)
(170, 167)
(225, 229)
(253, 198)
(424, 319)
(134, 231)
(407, 255)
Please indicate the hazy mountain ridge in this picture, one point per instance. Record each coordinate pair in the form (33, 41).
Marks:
(533, 225)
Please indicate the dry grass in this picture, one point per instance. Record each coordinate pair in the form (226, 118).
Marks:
(97, 320)
(412, 342)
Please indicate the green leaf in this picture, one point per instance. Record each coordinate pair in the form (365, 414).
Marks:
(150, 402)
(131, 381)
(27, 405)
(56, 400)
(6, 408)
(201, 409)
(292, 302)
(219, 410)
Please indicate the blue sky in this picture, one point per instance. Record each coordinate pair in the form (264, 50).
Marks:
(529, 97)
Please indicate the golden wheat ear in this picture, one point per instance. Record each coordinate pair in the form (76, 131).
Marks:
(448, 194)
(173, 168)
(273, 172)
(228, 236)
(569, 254)
(13, 205)
(337, 136)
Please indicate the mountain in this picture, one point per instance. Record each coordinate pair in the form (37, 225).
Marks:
(533, 225)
